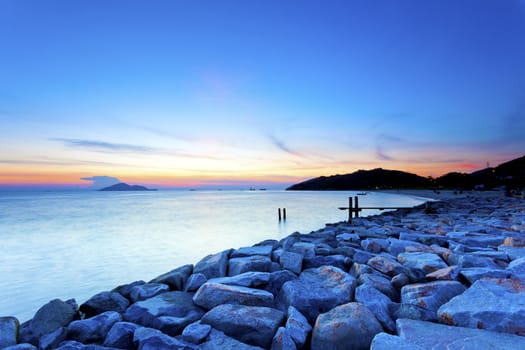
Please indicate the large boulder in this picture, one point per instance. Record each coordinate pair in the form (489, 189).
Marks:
(217, 340)
(292, 261)
(380, 305)
(249, 263)
(492, 304)
(48, 318)
(196, 332)
(169, 312)
(152, 339)
(347, 326)
(517, 269)
(176, 278)
(381, 283)
(429, 335)
(148, 290)
(211, 294)
(427, 262)
(102, 302)
(264, 250)
(282, 340)
(422, 300)
(384, 341)
(93, 329)
(386, 265)
(8, 331)
(252, 279)
(52, 340)
(121, 335)
(318, 290)
(254, 325)
(297, 327)
(214, 265)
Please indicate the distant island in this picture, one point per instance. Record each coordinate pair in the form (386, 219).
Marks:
(509, 175)
(125, 187)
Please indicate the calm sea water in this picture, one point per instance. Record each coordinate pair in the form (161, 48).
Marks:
(76, 244)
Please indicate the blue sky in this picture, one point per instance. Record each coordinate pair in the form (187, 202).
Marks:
(205, 93)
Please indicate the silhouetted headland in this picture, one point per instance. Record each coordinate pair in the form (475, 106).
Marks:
(125, 187)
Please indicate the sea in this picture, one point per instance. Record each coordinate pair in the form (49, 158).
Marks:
(75, 244)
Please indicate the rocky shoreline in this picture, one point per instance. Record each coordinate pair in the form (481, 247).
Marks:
(448, 274)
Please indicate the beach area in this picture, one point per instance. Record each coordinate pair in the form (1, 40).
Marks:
(446, 274)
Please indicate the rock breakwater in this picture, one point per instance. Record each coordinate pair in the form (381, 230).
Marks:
(447, 275)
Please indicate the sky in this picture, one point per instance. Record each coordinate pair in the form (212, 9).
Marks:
(219, 93)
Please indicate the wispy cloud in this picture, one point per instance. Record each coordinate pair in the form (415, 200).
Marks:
(102, 146)
(283, 147)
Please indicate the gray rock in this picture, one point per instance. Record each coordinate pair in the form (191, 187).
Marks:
(93, 329)
(449, 273)
(252, 279)
(339, 261)
(380, 305)
(374, 245)
(75, 345)
(8, 331)
(398, 246)
(359, 269)
(362, 257)
(176, 278)
(196, 332)
(125, 290)
(169, 312)
(278, 279)
(399, 281)
(264, 250)
(219, 341)
(152, 339)
(427, 262)
(282, 340)
(380, 283)
(121, 335)
(22, 346)
(48, 318)
(53, 339)
(211, 294)
(318, 290)
(386, 265)
(422, 300)
(305, 248)
(512, 252)
(254, 325)
(194, 282)
(384, 341)
(474, 239)
(292, 261)
(297, 327)
(102, 302)
(424, 238)
(492, 304)
(468, 260)
(347, 326)
(213, 266)
(517, 268)
(260, 263)
(431, 335)
(148, 290)
(472, 274)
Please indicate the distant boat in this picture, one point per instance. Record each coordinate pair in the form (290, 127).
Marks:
(361, 193)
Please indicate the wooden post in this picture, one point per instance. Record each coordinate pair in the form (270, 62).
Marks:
(279, 211)
(350, 209)
(284, 214)
(356, 206)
